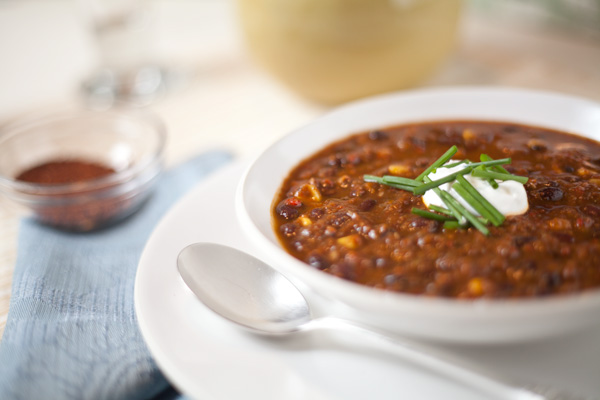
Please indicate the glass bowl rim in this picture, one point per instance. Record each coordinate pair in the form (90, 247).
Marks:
(13, 186)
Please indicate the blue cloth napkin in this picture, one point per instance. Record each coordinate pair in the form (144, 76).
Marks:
(71, 331)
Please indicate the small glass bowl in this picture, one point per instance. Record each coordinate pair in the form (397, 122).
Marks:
(129, 142)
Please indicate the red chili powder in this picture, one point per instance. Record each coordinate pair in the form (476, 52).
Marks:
(79, 210)
(64, 171)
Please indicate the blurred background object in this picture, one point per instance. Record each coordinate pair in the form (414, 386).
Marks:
(333, 51)
(123, 32)
(578, 16)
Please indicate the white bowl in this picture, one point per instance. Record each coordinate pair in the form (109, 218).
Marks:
(473, 321)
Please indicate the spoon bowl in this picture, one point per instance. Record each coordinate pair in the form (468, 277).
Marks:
(243, 289)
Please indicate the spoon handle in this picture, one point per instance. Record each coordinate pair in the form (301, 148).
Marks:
(427, 357)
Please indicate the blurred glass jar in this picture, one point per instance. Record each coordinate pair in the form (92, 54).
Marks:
(332, 51)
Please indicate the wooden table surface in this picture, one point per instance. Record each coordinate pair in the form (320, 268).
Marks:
(224, 100)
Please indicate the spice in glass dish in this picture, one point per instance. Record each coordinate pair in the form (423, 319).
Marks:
(64, 171)
(78, 201)
(82, 170)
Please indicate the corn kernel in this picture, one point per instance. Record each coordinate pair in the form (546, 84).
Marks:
(350, 242)
(595, 181)
(309, 192)
(584, 172)
(468, 134)
(517, 275)
(559, 224)
(398, 169)
(475, 286)
(304, 220)
(537, 145)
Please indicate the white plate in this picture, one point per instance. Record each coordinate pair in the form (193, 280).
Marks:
(207, 358)
(484, 320)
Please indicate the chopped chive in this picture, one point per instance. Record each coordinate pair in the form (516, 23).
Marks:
(455, 215)
(466, 213)
(372, 178)
(460, 212)
(455, 225)
(439, 209)
(455, 164)
(438, 163)
(430, 215)
(490, 163)
(398, 186)
(498, 175)
(451, 225)
(432, 184)
(477, 206)
(497, 168)
(458, 215)
(429, 185)
(377, 179)
(495, 216)
(474, 203)
(492, 182)
(469, 216)
(400, 180)
(451, 206)
(455, 212)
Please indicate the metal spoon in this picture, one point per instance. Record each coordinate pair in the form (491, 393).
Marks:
(252, 294)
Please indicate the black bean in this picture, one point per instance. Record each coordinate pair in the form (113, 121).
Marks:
(358, 192)
(288, 230)
(336, 160)
(287, 212)
(555, 279)
(419, 142)
(339, 218)
(344, 270)
(317, 261)
(316, 213)
(380, 262)
(444, 264)
(378, 135)
(434, 226)
(367, 204)
(530, 265)
(564, 237)
(520, 241)
(552, 279)
(422, 162)
(551, 193)
(326, 187)
(537, 145)
(430, 225)
(390, 279)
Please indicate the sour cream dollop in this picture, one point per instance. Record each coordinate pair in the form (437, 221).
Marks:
(510, 198)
